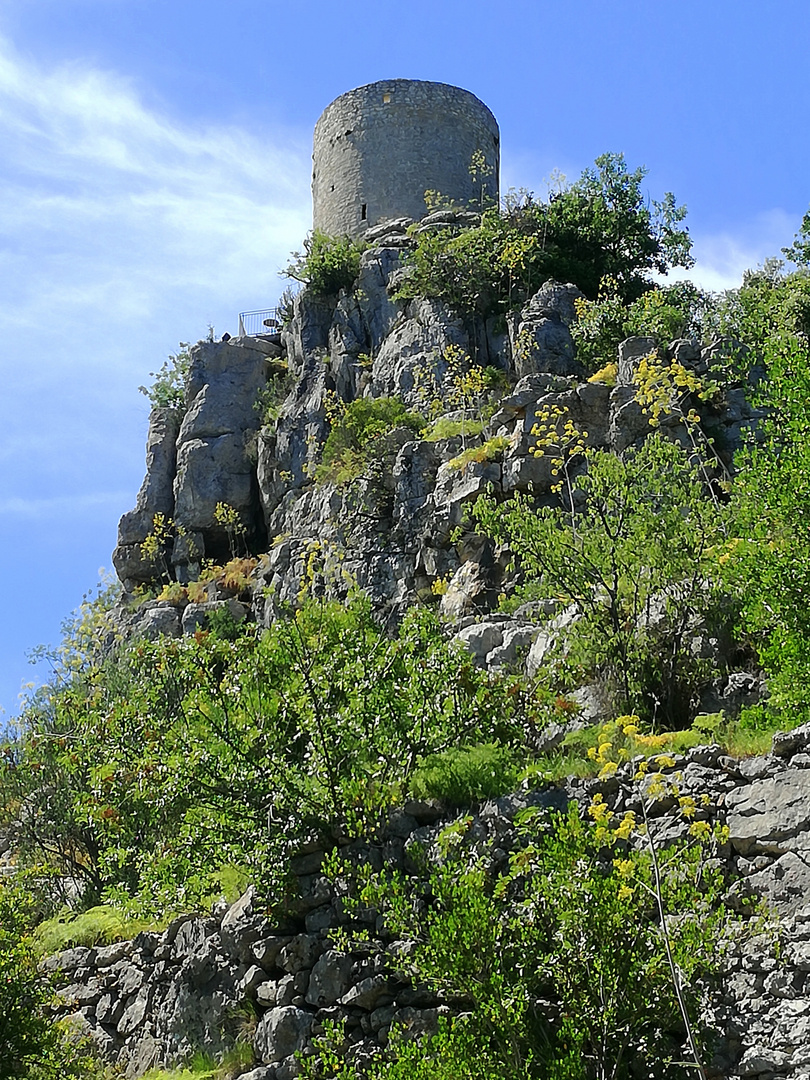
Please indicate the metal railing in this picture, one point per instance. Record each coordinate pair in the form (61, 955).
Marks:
(256, 323)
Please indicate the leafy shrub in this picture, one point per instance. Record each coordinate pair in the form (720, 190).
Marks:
(327, 263)
(663, 313)
(466, 774)
(31, 1045)
(272, 396)
(767, 559)
(147, 774)
(354, 427)
(553, 984)
(478, 455)
(636, 560)
(443, 428)
(168, 391)
(600, 226)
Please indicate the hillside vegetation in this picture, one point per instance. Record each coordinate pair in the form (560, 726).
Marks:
(149, 778)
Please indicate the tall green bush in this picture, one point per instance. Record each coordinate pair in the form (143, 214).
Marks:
(556, 963)
(154, 777)
(31, 1045)
(635, 557)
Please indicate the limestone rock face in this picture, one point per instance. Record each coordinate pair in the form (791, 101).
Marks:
(155, 497)
(391, 529)
(771, 816)
(541, 338)
(281, 1032)
(213, 463)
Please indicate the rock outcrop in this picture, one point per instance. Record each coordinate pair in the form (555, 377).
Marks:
(389, 530)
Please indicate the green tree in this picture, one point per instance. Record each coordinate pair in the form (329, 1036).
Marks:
(768, 558)
(636, 560)
(599, 227)
(603, 227)
(178, 761)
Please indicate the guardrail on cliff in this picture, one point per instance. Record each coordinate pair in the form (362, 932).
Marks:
(266, 321)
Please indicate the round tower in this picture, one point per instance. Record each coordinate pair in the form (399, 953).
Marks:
(378, 148)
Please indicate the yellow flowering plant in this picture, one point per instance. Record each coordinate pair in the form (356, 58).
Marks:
(647, 777)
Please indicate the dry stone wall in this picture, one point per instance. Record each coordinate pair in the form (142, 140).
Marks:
(161, 996)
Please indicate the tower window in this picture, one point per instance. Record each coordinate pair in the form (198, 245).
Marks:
(386, 98)
(363, 214)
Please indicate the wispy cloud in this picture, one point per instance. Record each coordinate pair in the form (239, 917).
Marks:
(105, 203)
(721, 259)
(122, 231)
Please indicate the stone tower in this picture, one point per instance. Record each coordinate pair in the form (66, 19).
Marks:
(378, 148)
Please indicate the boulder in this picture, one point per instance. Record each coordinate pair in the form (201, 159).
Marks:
(772, 815)
(243, 925)
(213, 465)
(282, 1032)
(330, 978)
(156, 496)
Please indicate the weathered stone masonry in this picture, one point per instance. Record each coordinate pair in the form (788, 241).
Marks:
(378, 148)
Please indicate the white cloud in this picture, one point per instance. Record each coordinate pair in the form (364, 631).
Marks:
(122, 232)
(721, 259)
(107, 207)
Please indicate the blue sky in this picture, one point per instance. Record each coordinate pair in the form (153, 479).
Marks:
(154, 176)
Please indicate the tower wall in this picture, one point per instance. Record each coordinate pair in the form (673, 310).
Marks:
(378, 148)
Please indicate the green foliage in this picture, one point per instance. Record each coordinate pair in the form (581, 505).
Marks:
(150, 777)
(489, 451)
(327, 264)
(557, 962)
(768, 308)
(464, 775)
(663, 313)
(799, 250)
(272, 397)
(203, 1067)
(604, 226)
(636, 563)
(354, 427)
(601, 226)
(168, 391)
(443, 428)
(767, 561)
(31, 1045)
(98, 926)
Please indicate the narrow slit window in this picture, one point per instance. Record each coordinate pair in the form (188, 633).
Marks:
(363, 214)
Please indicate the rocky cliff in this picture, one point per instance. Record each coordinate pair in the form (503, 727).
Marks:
(396, 529)
(390, 530)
